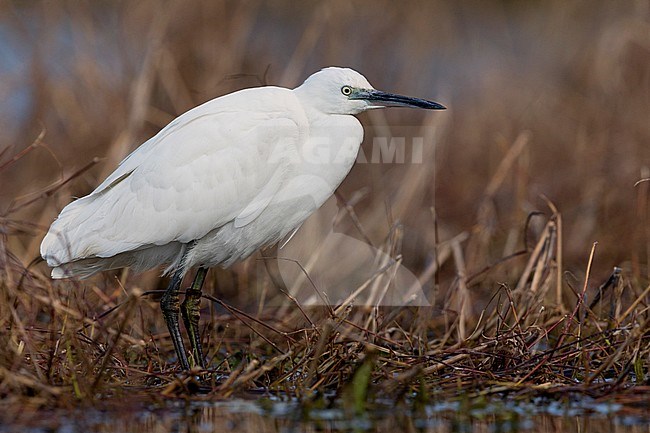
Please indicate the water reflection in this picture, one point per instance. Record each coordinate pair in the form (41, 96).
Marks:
(272, 416)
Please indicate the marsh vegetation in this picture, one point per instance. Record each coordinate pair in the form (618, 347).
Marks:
(524, 220)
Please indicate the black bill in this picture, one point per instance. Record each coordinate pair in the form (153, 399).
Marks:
(393, 100)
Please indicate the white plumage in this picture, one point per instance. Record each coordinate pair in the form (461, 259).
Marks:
(226, 177)
(220, 181)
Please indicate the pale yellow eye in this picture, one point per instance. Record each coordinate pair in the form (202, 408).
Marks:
(346, 90)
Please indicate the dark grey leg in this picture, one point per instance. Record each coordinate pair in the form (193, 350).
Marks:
(191, 312)
(170, 304)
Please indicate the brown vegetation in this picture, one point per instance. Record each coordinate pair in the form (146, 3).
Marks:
(525, 225)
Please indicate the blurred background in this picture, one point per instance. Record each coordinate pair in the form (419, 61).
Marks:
(548, 103)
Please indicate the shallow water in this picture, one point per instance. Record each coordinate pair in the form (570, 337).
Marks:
(270, 415)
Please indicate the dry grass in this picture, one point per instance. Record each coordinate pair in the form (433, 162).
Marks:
(514, 229)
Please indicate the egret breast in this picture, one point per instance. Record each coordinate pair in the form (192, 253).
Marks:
(313, 173)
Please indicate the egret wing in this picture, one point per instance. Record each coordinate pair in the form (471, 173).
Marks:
(219, 162)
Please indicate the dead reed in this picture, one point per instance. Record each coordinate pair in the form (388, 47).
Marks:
(526, 229)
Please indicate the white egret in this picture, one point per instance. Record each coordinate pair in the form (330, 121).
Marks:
(222, 180)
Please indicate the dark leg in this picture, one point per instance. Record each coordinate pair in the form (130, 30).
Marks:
(169, 304)
(191, 312)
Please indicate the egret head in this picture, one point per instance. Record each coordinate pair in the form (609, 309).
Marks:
(345, 91)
